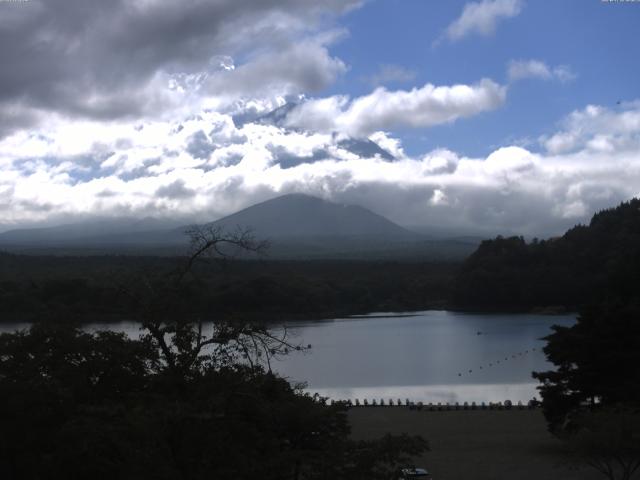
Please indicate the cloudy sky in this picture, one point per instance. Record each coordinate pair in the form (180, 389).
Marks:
(492, 116)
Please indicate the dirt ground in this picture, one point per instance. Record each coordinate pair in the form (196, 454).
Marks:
(473, 444)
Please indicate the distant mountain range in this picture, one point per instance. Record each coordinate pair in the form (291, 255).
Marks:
(297, 226)
(81, 231)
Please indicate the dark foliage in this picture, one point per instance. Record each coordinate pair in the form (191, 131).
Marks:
(79, 405)
(596, 363)
(586, 265)
(591, 399)
(88, 288)
(596, 359)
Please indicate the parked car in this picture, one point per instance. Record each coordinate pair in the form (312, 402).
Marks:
(414, 473)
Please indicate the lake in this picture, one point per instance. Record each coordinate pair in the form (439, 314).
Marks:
(432, 356)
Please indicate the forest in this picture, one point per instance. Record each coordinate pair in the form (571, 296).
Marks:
(589, 263)
(91, 288)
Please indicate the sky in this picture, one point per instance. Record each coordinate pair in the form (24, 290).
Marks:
(482, 117)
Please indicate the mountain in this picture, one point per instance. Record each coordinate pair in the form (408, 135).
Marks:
(289, 216)
(298, 227)
(298, 215)
(365, 148)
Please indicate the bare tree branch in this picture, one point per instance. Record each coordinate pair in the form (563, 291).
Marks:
(182, 341)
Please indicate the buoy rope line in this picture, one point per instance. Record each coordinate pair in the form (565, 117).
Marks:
(501, 360)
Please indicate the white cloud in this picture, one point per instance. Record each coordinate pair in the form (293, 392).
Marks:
(388, 143)
(482, 17)
(305, 66)
(564, 73)
(561, 142)
(510, 161)
(385, 110)
(597, 128)
(149, 168)
(522, 69)
(87, 131)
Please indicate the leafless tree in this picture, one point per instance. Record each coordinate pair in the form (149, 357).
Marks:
(181, 337)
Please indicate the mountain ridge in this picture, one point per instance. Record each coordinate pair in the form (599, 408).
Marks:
(307, 216)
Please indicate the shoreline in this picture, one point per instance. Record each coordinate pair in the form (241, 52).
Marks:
(112, 319)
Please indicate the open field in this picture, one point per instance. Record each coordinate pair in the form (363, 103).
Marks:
(478, 445)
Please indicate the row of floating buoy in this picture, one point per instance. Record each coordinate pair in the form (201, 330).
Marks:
(497, 362)
(506, 405)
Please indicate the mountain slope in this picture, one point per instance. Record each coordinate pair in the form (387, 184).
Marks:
(298, 215)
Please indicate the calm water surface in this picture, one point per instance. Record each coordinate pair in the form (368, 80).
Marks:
(433, 356)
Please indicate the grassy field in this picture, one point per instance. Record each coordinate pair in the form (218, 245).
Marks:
(478, 445)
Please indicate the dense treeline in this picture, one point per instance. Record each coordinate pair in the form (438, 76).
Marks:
(87, 288)
(587, 264)
(591, 399)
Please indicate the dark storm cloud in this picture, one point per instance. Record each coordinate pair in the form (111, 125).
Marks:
(14, 116)
(96, 59)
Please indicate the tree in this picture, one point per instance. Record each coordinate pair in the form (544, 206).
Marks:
(166, 311)
(592, 399)
(609, 441)
(596, 363)
(178, 403)
(589, 263)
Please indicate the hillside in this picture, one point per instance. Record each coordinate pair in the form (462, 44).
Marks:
(587, 264)
(298, 215)
(304, 227)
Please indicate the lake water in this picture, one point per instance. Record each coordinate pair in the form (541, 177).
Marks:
(432, 356)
